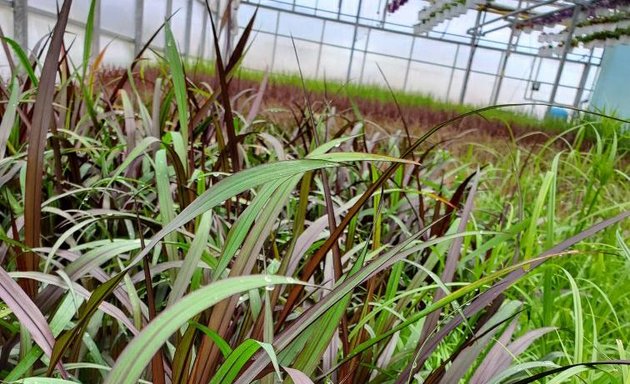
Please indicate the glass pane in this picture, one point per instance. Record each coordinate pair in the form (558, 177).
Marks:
(391, 44)
(429, 79)
(333, 63)
(117, 16)
(479, 89)
(486, 60)
(154, 14)
(433, 51)
(394, 70)
(293, 25)
(260, 52)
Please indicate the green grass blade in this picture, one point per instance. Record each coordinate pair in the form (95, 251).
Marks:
(8, 118)
(165, 201)
(214, 336)
(139, 150)
(192, 259)
(235, 361)
(494, 291)
(229, 187)
(63, 316)
(242, 226)
(179, 81)
(135, 357)
(578, 320)
(69, 338)
(87, 40)
(625, 250)
(339, 157)
(44, 380)
(384, 261)
(529, 238)
(23, 59)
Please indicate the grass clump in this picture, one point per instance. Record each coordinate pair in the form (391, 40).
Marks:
(377, 93)
(181, 239)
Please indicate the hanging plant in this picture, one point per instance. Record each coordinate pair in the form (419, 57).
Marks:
(606, 38)
(599, 24)
(616, 20)
(593, 10)
(440, 11)
(395, 5)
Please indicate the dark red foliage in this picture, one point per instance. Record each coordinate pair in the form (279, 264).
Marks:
(419, 118)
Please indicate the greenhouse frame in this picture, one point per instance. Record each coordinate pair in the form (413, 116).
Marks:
(490, 61)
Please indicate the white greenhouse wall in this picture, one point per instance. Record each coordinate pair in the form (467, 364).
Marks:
(434, 65)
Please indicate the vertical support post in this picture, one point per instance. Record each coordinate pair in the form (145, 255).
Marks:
(413, 44)
(204, 30)
(450, 80)
(214, 17)
(138, 25)
(169, 12)
(275, 41)
(496, 89)
(384, 18)
(354, 41)
(365, 51)
(189, 7)
(529, 92)
(565, 53)
(20, 22)
(96, 34)
(227, 15)
(319, 51)
(583, 78)
(473, 48)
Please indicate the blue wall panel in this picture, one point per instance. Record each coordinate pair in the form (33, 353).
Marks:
(612, 92)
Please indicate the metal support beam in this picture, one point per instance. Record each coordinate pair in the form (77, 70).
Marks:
(365, 52)
(319, 50)
(496, 89)
(96, 34)
(565, 52)
(384, 18)
(188, 29)
(511, 22)
(354, 41)
(580, 91)
(515, 12)
(450, 78)
(550, 13)
(20, 22)
(169, 12)
(227, 15)
(514, 20)
(275, 41)
(204, 30)
(138, 24)
(399, 30)
(473, 47)
(413, 44)
(498, 83)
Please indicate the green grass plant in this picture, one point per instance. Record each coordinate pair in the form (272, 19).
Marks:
(376, 92)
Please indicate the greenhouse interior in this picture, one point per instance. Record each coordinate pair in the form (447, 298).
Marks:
(500, 52)
(315, 191)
